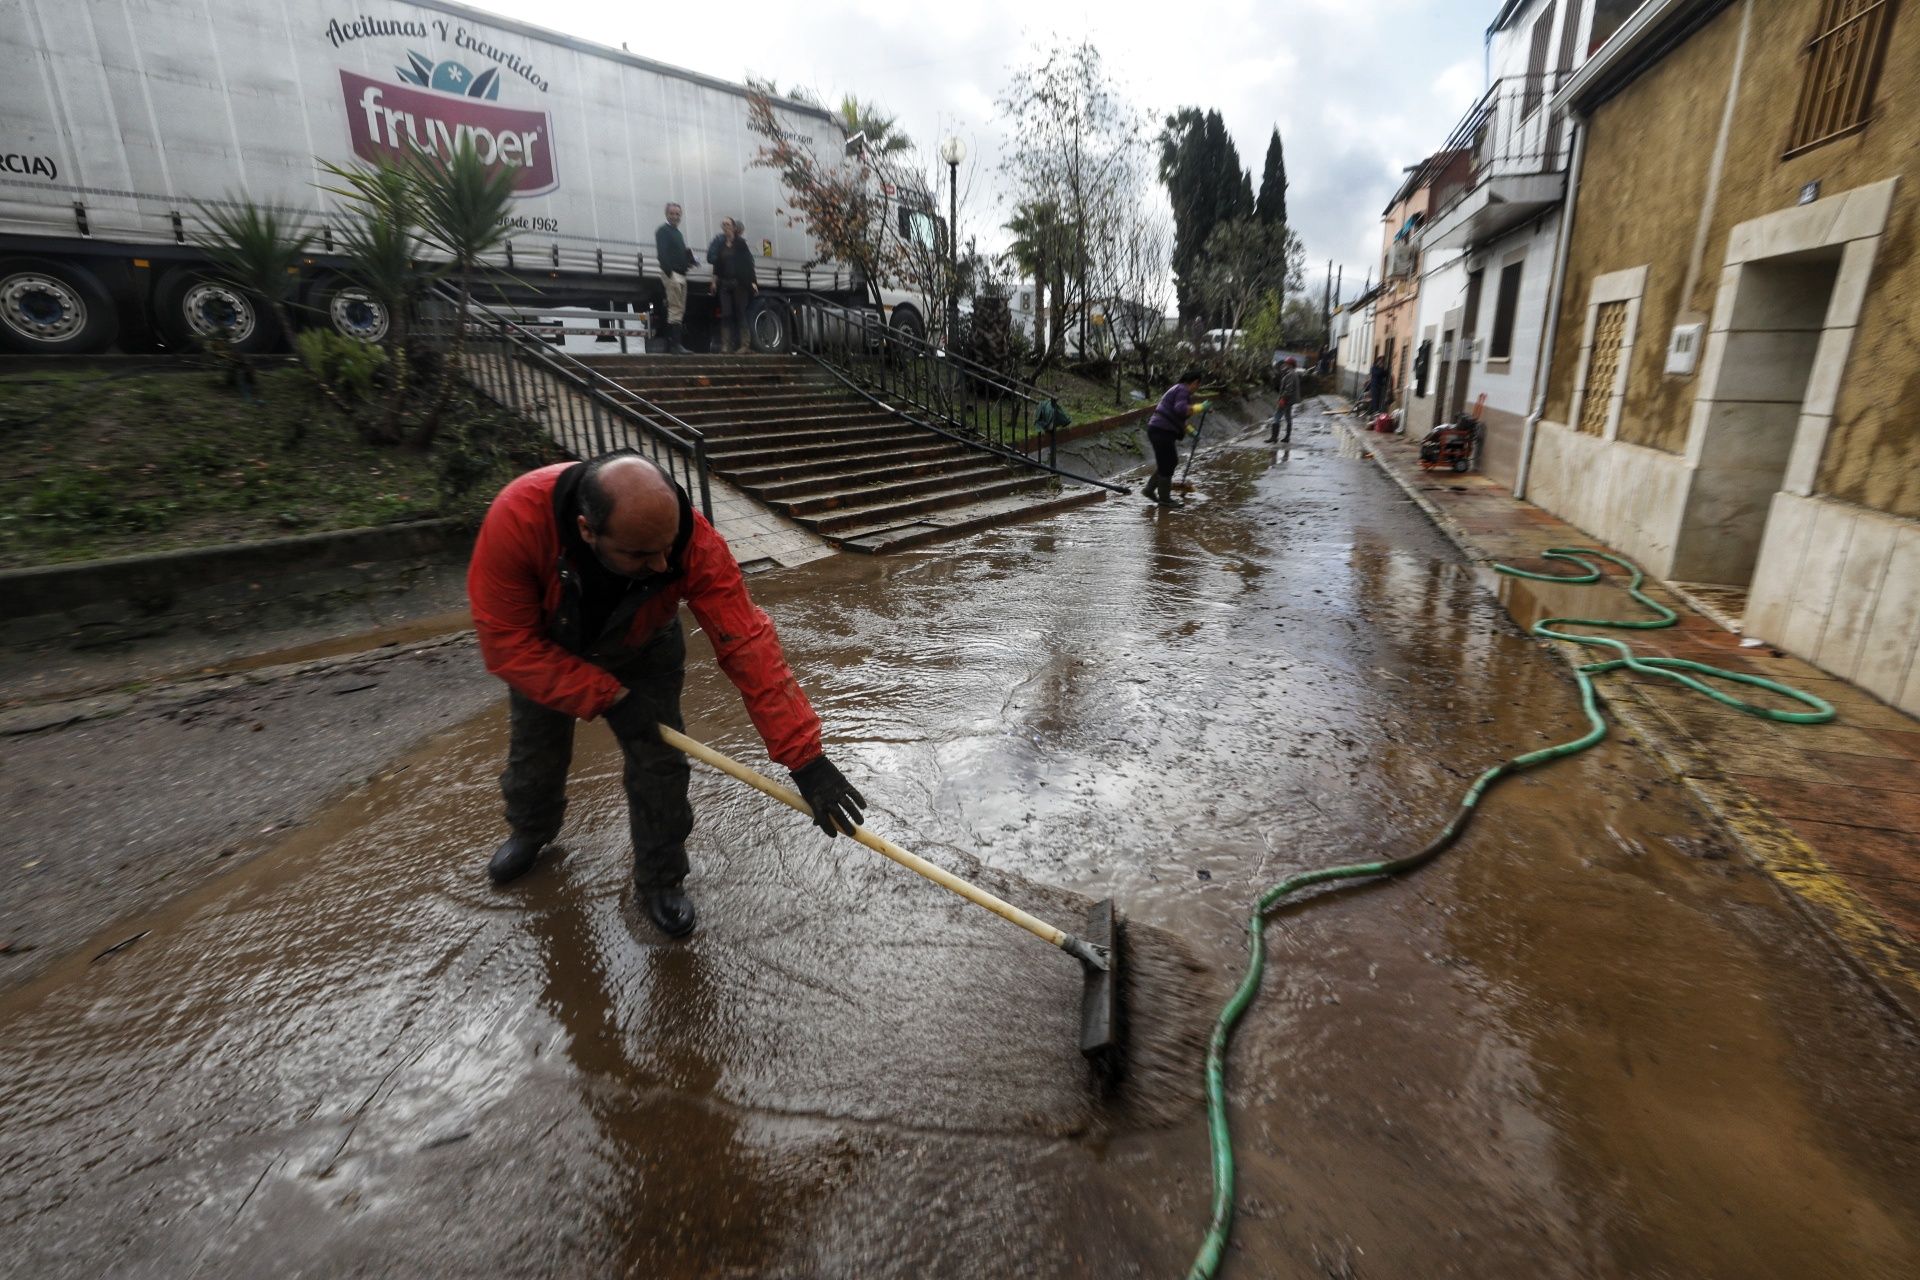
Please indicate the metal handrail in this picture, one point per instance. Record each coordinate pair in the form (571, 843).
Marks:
(588, 430)
(887, 368)
(923, 346)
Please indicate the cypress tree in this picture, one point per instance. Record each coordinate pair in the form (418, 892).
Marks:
(1272, 206)
(1200, 167)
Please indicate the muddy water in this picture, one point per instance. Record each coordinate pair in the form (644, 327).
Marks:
(1587, 1043)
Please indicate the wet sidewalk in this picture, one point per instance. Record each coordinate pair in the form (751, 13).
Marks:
(1831, 811)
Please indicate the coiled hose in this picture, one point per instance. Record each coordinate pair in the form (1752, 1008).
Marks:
(1207, 1261)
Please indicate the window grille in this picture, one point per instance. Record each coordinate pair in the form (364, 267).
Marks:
(1842, 67)
(1603, 367)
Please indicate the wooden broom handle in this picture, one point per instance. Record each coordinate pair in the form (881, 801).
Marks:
(879, 844)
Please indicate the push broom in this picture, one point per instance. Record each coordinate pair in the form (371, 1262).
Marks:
(1098, 951)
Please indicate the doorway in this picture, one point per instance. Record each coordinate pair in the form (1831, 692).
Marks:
(1741, 445)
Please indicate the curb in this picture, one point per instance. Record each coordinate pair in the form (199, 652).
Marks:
(1083, 430)
(151, 583)
(197, 687)
(1864, 940)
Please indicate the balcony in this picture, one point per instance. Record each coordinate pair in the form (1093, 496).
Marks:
(1517, 168)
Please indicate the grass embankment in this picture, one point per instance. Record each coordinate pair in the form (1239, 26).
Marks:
(103, 465)
(1086, 400)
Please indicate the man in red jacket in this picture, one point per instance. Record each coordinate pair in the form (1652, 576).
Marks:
(576, 584)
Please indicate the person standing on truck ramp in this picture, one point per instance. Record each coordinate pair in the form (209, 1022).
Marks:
(670, 247)
(733, 280)
(576, 584)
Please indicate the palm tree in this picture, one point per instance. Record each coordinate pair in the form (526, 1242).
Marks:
(1042, 248)
(259, 254)
(382, 240)
(882, 131)
(256, 251)
(462, 206)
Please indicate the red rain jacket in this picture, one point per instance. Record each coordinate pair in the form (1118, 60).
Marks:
(514, 590)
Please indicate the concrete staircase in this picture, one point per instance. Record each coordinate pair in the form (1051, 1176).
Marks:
(791, 436)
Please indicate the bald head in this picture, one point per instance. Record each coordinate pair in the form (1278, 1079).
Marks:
(629, 514)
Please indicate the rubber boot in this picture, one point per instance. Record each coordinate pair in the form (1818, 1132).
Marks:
(673, 341)
(670, 909)
(1151, 489)
(515, 858)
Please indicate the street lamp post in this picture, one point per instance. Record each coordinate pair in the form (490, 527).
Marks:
(953, 151)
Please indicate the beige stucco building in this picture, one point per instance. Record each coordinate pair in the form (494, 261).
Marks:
(1734, 383)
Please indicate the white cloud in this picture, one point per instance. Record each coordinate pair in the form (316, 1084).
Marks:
(1359, 88)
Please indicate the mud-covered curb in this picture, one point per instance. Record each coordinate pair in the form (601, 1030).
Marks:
(152, 582)
(1868, 943)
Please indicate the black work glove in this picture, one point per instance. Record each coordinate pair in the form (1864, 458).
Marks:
(628, 718)
(830, 796)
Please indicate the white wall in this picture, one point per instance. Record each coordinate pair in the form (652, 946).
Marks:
(1627, 496)
(1443, 288)
(1840, 586)
(1509, 386)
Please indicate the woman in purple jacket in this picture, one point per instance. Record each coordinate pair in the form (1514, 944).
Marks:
(1168, 423)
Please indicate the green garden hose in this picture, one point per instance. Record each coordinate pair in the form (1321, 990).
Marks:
(1207, 1261)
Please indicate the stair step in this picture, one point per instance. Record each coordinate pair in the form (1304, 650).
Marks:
(705, 406)
(894, 459)
(746, 459)
(780, 428)
(885, 538)
(848, 438)
(898, 512)
(845, 492)
(723, 384)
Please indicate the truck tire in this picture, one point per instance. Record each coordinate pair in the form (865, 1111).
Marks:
(908, 320)
(348, 309)
(195, 308)
(54, 308)
(770, 326)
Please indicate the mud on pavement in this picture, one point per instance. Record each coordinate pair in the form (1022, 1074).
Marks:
(1587, 1042)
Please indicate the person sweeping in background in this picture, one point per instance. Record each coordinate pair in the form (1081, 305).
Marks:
(1172, 418)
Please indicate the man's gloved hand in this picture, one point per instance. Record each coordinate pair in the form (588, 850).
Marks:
(830, 796)
(629, 719)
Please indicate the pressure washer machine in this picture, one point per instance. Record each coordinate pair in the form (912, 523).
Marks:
(1450, 445)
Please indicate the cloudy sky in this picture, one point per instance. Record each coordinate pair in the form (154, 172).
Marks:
(1359, 88)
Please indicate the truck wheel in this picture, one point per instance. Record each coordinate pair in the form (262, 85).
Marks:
(909, 321)
(770, 326)
(349, 310)
(54, 308)
(194, 309)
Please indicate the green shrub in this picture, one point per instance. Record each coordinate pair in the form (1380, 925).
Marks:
(346, 366)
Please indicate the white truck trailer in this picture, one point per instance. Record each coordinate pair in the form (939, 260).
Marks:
(121, 119)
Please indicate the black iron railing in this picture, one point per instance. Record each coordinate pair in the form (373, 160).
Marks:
(974, 404)
(585, 412)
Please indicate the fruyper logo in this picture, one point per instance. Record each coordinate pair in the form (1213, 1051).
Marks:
(391, 120)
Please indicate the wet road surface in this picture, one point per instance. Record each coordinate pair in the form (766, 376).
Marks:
(1588, 1042)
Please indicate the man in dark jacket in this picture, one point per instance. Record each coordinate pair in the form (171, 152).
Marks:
(576, 584)
(1169, 421)
(1377, 385)
(670, 248)
(1289, 397)
(733, 280)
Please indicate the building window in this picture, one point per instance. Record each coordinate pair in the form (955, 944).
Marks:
(1842, 66)
(1500, 345)
(1537, 63)
(1603, 367)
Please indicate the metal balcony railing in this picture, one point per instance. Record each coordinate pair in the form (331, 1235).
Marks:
(1510, 132)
